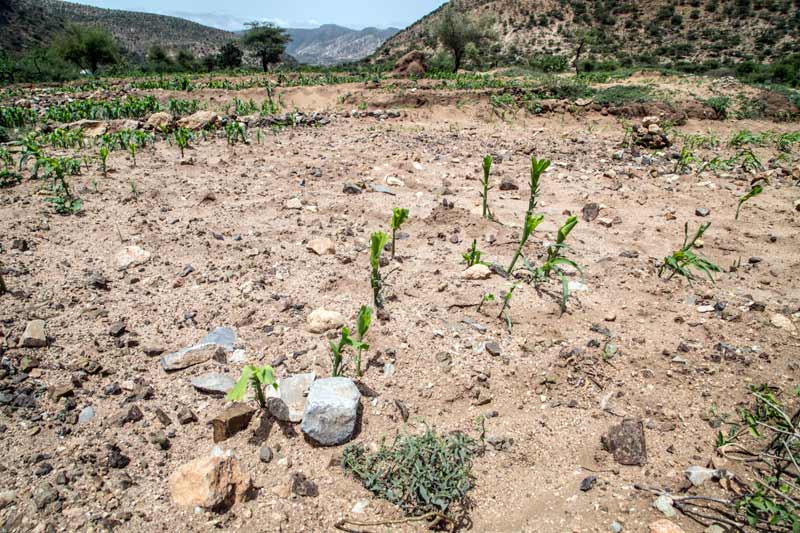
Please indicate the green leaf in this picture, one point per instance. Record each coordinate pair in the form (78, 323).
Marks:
(236, 394)
(363, 320)
(399, 215)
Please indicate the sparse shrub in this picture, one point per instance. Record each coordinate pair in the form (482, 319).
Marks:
(427, 475)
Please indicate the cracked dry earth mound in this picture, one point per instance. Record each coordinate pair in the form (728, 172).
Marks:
(93, 427)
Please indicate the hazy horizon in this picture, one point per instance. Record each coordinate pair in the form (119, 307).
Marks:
(354, 14)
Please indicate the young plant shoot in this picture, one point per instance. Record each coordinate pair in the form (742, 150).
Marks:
(104, 159)
(377, 241)
(754, 191)
(257, 378)
(473, 255)
(531, 222)
(487, 168)
(399, 215)
(682, 261)
(556, 259)
(363, 321)
(538, 167)
(506, 306)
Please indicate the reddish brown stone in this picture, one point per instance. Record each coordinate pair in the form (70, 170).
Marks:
(231, 421)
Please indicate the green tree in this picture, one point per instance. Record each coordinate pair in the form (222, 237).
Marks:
(266, 41)
(456, 30)
(88, 48)
(230, 55)
(158, 59)
(186, 60)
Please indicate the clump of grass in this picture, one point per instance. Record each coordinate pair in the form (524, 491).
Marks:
(256, 378)
(682, 261)
(399, 215)
(426, 474)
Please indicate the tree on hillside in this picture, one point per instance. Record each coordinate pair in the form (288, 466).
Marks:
(230, 56)
(455, 30)
(266, 41)
(186, 61)
(158, 59)
(88, 48)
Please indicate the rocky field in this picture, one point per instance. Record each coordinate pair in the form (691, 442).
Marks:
(124, 325)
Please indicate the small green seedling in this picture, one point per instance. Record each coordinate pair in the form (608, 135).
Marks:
(132, 150)
(399, 215)
(538, 167)
(556, 259)
(487, 169)
(337, 349)
(235, 132)
(681, 261)
(103, 159)
(489, 297)
(257, 378)
(506, 306)
(754, 191)
(473, 255)
(363, 321)
(531, 222)
(182, 138)
(377, 241)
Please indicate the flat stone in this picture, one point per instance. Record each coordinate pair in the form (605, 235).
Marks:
(351, 188)
(782, 322)
(323, 246)
(590, 211)
(208, 347)
(321, 320)
(289, 402)
(702, 211)
(605, 221)
(214, 383)
(477, 272)
(57, 392)
(199, 120)
(331, 411)
(493, 348)
(664, 504)
(186, 416)
(508, 184)
(33, 336)
(294, 203)
(86, 415)
(131, 256)
(231, 421)
(214, 483)
(627, 442)
(697, 475)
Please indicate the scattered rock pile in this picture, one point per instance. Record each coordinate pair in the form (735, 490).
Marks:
(650, 135)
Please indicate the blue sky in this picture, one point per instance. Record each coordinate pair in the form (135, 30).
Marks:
(231, 14)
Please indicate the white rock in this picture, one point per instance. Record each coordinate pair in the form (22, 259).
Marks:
(783, 322)
(323, 246)
(131, 256)
(321, 320)
(698, 475)
(294, 203)
(477, 272)
(394, 180)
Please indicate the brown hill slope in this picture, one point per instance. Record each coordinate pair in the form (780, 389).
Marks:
(28, 23)
(642, 30)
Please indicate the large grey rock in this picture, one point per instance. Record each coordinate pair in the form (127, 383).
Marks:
(288, 403)
(213, 383)
(220, 338)
(34, 336)
(331, 411)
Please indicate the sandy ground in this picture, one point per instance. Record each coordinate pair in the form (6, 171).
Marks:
(550, 389)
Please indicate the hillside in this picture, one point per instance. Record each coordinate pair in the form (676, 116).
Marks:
(694, 30)
(28, 23)
(331, 44)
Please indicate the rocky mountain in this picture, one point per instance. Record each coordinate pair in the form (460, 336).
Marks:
(331, 44)
(641, 31)
(28, 23)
